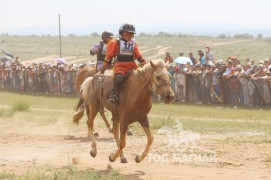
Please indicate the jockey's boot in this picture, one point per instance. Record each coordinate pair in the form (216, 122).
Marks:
(113, 99)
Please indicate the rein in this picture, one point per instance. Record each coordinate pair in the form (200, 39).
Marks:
(102, 90)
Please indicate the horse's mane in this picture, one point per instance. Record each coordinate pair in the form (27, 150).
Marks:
(147, 67)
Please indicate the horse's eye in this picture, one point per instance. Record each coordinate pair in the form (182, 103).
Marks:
(158, 78)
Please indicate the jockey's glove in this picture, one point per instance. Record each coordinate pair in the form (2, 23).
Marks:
(102, 70)
(141, 64)
(92, 52)
(142, 61)
(105, 66)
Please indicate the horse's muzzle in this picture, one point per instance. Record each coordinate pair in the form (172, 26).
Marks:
(169, 98)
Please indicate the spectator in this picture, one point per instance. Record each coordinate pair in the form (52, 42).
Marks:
(17, 60)
(201, 57)
(207, 82)
(191, 56)
(229, 69)
(197, 90)
(209, 57)
(168, 58)
(171, 72)
(217, 70)
(181, 54)
(180, 84)
(245, 82)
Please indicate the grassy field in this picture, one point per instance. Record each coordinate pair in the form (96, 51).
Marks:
(30, 47)
(68, 172)
(202, 119)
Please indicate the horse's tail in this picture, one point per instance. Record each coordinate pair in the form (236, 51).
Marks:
(83, 101)
(79, 109)
(85, 88)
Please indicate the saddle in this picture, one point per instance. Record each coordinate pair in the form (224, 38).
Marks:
(102, 83)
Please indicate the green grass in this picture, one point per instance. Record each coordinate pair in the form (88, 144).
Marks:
(212, 126)
(204, 119)
(17, 106)
(21, 106)
(210, 119)
(46, 171)
(69, 172)
(58, 104)
(211, 112)
(45, 102)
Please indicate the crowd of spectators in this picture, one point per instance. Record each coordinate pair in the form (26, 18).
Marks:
(204, 81)
(38, 78)
(208, 81)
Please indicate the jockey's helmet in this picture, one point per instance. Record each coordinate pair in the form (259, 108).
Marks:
(127, 27)
(107, 34)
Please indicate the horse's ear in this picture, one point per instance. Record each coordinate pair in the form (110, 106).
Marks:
(152, 65)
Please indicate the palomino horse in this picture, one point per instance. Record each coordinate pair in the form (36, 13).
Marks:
(85, 72)
(133, 105)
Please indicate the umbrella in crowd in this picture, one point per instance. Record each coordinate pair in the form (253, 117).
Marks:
(183, 60)
(61, 60)
(8, 54)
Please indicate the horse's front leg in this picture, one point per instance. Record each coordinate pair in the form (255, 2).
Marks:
(145, 125)
(121, 144)
(116, 130)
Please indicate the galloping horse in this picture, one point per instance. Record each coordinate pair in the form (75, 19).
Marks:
(133, 105)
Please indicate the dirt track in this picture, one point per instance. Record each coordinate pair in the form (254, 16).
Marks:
(238, 156)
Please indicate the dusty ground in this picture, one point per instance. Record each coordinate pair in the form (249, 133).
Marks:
(181, 155)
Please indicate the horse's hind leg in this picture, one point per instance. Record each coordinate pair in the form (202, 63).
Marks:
(88, 113)
(92, 113)
(105, 120)
(121, 144)
(145, 126)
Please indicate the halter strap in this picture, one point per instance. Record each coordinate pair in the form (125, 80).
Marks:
(148, 84)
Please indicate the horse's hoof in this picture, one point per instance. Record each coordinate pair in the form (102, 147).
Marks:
(123, 160)
(129, 133)
(110, 130)
(110, 159)
(137, 159)
(96, 134)
(93, 154)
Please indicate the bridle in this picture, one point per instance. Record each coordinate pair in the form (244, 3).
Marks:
(157, 85)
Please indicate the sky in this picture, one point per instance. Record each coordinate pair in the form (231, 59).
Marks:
(149, 16)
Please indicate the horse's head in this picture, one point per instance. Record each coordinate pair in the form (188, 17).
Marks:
(160, 81)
